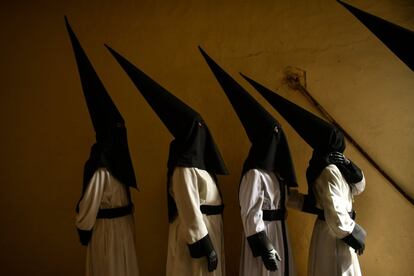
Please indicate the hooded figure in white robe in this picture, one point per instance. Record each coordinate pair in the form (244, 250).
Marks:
(105, 221)
(333, 180)
(195, 242)
(267, 175)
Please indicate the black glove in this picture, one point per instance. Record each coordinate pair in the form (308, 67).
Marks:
(212, 261)
(205, 248)
(349, 170)
(261, 246)
(338, 158)
(270, 259)
(84, 236)
(356, 239)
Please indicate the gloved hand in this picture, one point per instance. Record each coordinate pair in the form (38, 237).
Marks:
(84, 236)
(356, 239)
(360, 251)
(204, 248)
(270, 259)
(262, 246)
(358, 246)
(338, 158)
(212, 261)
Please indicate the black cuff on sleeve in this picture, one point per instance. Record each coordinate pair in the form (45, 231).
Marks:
(84, 236)
(355, 174)
(259, 243)
(356, 239)
(201, 248)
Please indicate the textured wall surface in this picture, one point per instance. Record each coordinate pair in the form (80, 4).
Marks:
(46, 130)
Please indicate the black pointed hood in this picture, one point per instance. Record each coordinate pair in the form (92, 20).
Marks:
(180, 119)
(175, 114)
(319, 134)
(398, 39)
(323, 137)
(269, 150)
(255, 119)
(101, 108)
(111, 147)
(193, 145)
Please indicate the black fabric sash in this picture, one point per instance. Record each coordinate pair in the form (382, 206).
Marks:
(275, 214)
(111, 213)
(115, 212)
(210, 210)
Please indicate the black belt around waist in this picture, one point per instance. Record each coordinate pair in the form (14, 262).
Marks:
(275, 214)
(210, 210)
(321, 215)
(115, 212)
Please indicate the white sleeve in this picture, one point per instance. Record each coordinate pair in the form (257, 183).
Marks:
(251, 197)
(359, 187)
(186, 195)
(91, 200)
(334, 203)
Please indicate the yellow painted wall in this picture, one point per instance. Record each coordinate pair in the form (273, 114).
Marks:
(46, 130)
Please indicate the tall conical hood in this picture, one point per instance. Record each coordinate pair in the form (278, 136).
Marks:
(102, 110)
(193, 145)
(184, 123)
(255, 119)
(175, 114)
(111, 150)
(398, 39)
(269, 150)
(319, 134)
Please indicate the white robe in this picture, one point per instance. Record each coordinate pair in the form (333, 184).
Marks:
(260, 190)
(329, 255)
(192, 187)
(111, 250)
